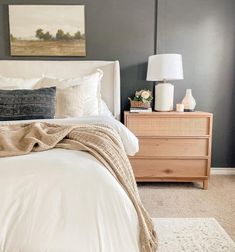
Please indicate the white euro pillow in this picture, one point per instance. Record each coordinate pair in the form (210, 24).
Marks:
(18, 83)
(76, 96)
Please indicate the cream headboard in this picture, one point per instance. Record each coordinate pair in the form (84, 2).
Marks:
(110, 88)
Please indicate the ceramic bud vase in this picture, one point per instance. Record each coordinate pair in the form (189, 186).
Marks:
(188, 101)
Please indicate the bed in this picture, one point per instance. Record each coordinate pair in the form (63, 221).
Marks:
(66, 200)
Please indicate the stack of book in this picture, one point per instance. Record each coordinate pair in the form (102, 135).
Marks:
(140, 110)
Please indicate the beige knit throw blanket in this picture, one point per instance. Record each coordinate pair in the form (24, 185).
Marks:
(101, 141)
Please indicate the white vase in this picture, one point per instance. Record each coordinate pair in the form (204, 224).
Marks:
(188, 101)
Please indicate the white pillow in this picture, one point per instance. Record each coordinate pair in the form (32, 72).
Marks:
(104, 110)
(76, 97)
(62, 83)
(17, 83)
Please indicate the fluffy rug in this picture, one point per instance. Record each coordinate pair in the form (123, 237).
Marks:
(192, 235)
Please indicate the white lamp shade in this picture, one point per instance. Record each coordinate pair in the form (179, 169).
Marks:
(165, 67)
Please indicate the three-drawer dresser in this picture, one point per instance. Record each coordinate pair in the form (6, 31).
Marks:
(174, 146)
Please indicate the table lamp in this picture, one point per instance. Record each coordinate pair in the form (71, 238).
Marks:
(164, 67)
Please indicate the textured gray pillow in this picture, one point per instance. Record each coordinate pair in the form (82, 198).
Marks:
(25, 104)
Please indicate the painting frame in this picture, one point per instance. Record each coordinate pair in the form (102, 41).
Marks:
(49, 30)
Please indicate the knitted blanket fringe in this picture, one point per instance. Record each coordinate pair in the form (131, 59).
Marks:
(101, 141)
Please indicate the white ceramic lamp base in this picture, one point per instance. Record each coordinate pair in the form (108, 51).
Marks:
(164, 97)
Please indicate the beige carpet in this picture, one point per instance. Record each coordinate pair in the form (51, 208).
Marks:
(192, 235)
(188, 200)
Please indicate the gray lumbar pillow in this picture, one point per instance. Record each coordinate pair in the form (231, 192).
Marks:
(25, 104)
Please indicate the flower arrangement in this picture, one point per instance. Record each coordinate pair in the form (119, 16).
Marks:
(143, 95)
(142, 98)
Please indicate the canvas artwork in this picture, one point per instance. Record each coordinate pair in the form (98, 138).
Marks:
(47, 30)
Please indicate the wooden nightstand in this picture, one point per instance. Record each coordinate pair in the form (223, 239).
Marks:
(174, 146)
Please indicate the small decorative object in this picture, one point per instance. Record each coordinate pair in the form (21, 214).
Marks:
(163, 67)
(188, 101)
(180, 107)
(47, 30)
(141, 101)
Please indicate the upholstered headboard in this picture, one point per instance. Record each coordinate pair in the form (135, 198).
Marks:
(110, 88)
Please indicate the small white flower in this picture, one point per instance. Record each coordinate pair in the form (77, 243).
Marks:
(138, 93)
(145, 95)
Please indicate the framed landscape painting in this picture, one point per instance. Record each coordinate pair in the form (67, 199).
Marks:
(47, 30)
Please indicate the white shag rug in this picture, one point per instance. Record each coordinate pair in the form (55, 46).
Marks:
(192, 235)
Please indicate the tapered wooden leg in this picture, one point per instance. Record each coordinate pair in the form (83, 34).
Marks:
(205, 184)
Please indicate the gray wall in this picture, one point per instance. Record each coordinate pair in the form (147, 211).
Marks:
(203, 31)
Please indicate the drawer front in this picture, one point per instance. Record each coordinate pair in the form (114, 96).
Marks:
(168, 126)
(171, 147)
(157, 168)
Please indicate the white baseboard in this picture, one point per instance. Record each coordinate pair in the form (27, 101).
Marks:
(222, 171)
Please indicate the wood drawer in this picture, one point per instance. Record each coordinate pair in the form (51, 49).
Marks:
(169, 126)
(167, 147)
(171, 168)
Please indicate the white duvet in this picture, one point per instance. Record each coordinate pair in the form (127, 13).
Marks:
(66, 201)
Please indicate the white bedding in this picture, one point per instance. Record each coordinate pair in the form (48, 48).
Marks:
(66, 201)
